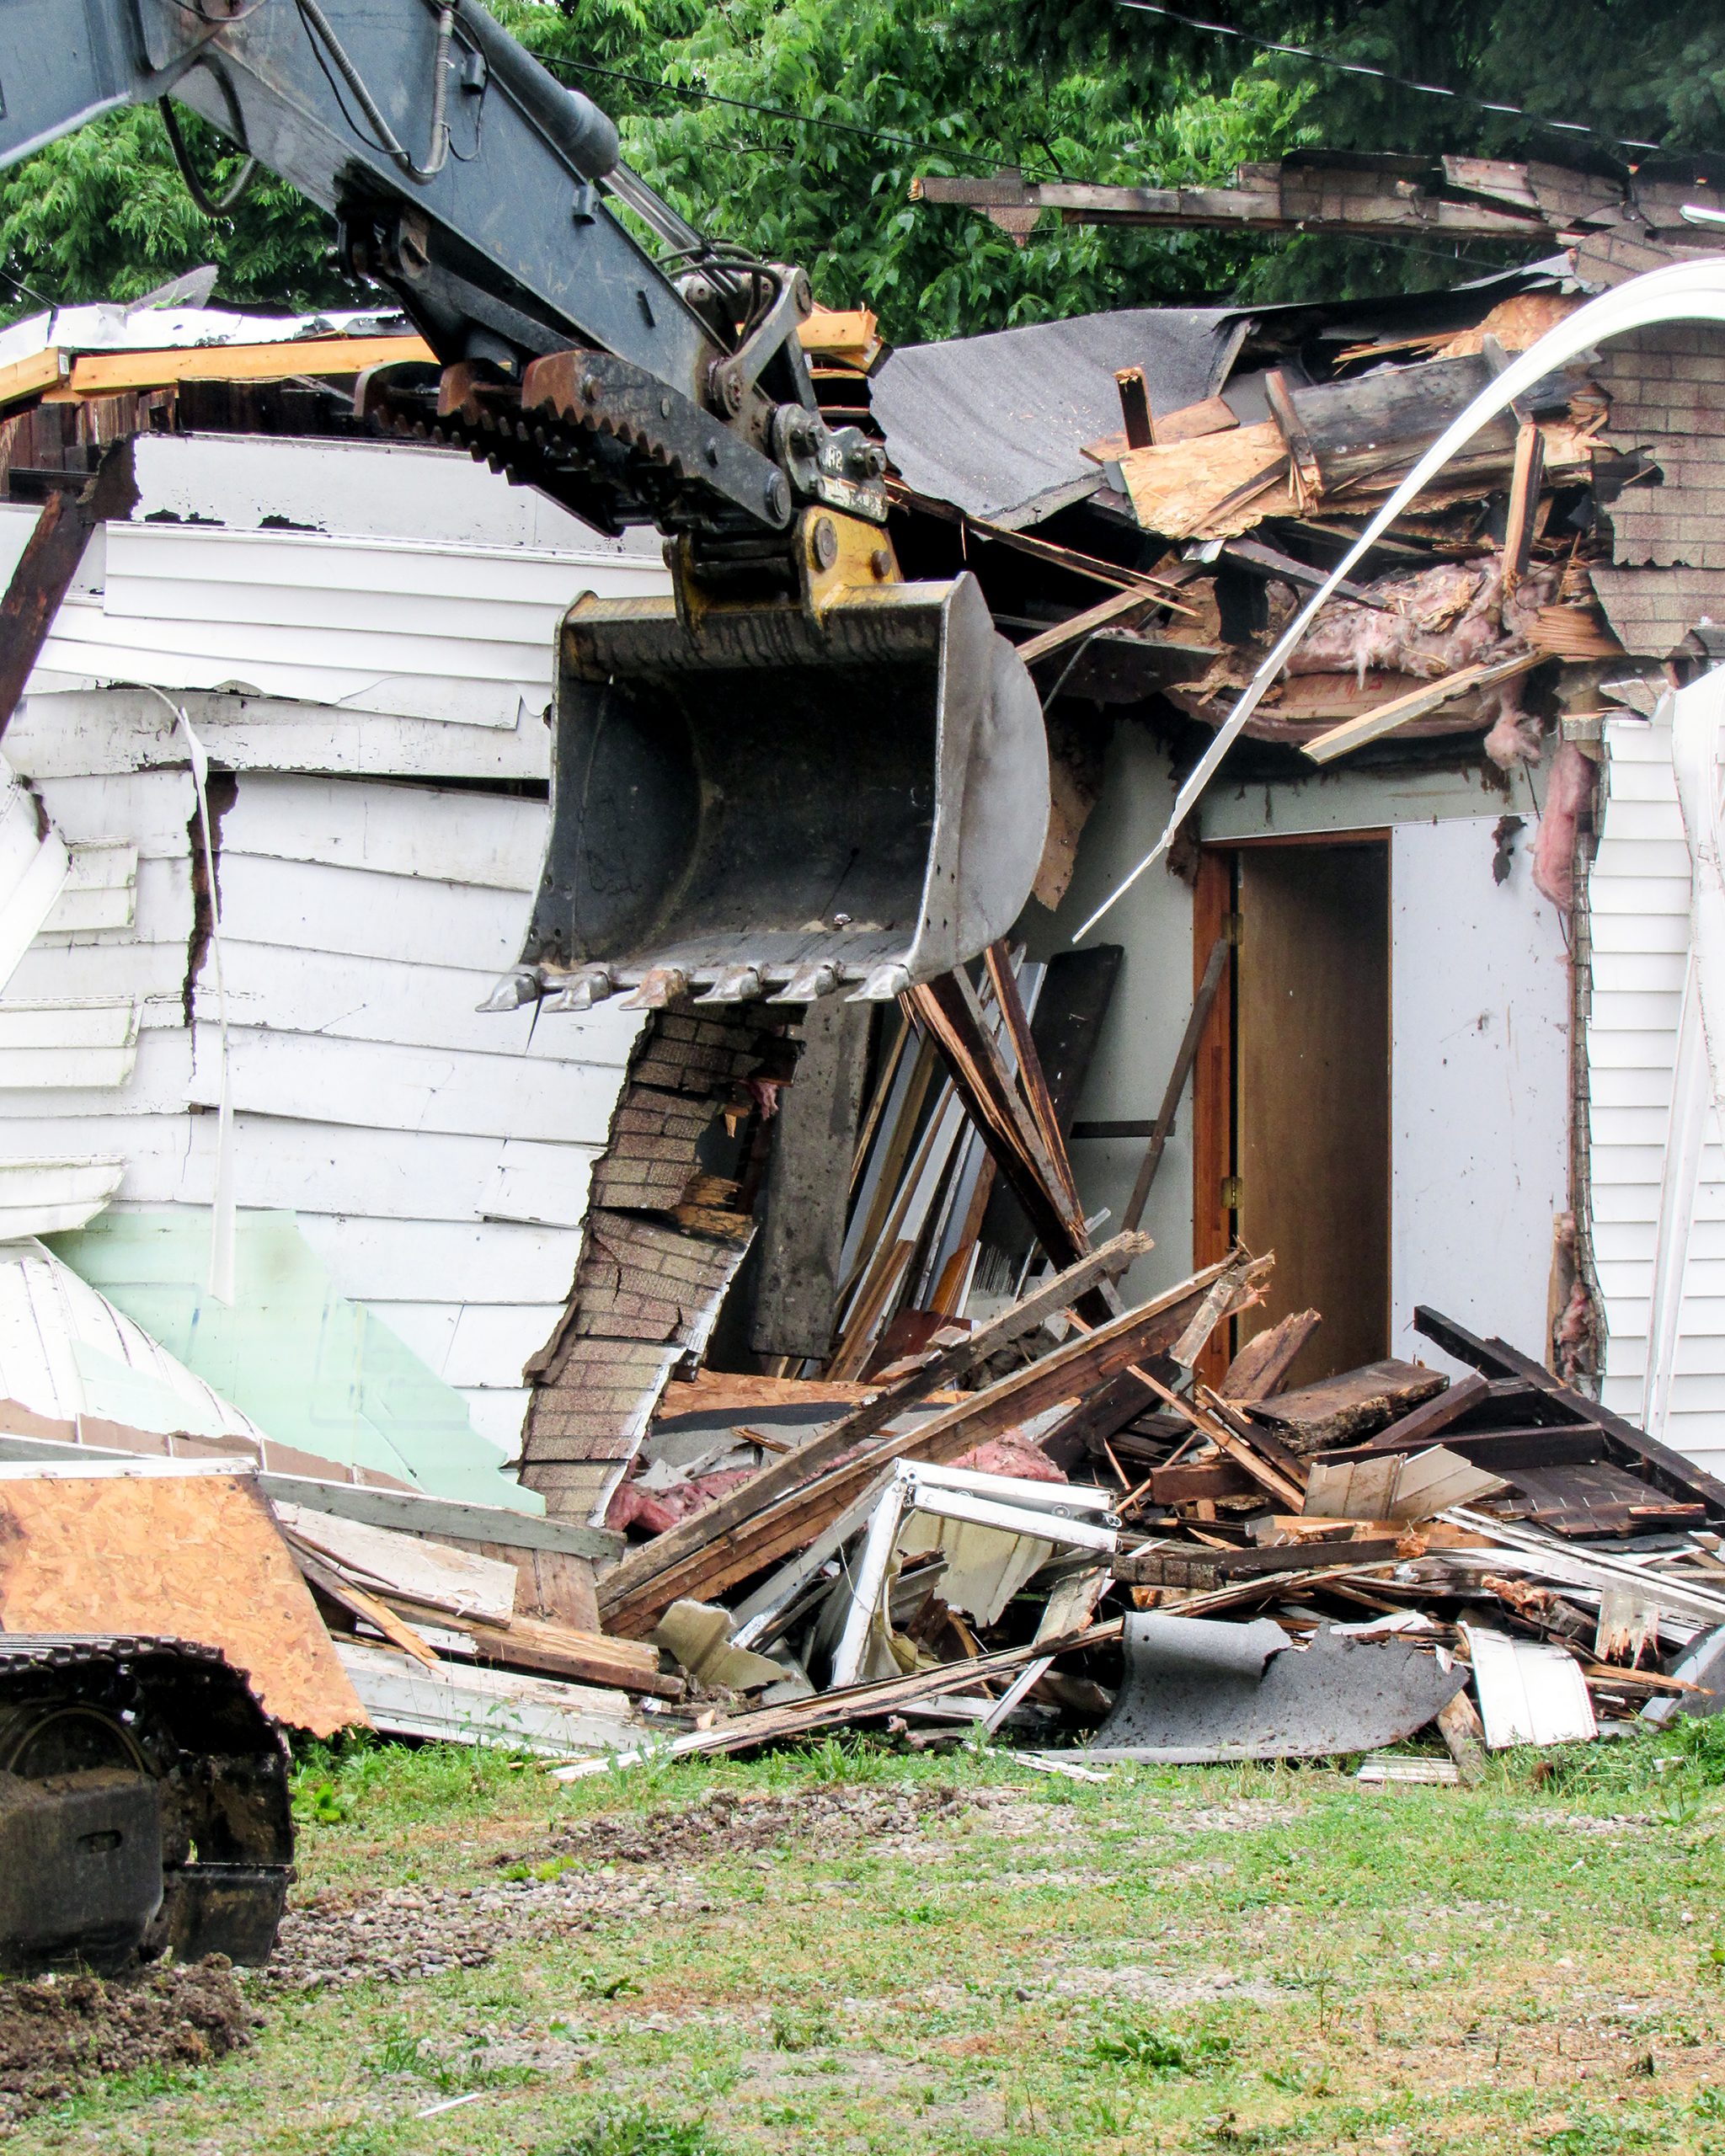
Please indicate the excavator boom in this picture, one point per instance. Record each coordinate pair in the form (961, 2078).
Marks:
(807, 774)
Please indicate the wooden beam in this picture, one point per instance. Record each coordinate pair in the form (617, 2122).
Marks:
(1258, 207)
(50, 562)
(1134, 407)
(1524, 476)
(1117, 611)
(1385, 718)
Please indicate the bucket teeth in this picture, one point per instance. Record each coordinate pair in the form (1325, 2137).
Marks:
(513, 990)
(660, 985)
(808, 984)
(883, 985)
(580, 991)
(735, 985)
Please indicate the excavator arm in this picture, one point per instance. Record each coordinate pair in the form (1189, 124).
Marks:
(802, 773)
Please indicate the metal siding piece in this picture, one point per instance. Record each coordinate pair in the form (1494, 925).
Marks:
(1529, 1693)
(1197, 1690)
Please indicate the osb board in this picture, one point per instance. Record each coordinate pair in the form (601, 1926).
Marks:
(189, 1556)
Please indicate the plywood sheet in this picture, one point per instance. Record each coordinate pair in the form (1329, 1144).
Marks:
(190, 1556)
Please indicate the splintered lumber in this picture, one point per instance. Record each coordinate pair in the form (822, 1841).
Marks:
(1040, 1174)
(1214, 486)
(586, 1658)
(854, 1703)
(765, 1534)
(1347, 1409)
(868, 1416)
(1384, 719)
(1190, 1566)
(1262, 1459)
(1117, 611)
(1262, 1364)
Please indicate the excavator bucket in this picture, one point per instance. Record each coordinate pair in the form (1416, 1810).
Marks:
(775, 800)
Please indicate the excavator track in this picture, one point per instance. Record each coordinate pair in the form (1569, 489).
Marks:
(144, 1806)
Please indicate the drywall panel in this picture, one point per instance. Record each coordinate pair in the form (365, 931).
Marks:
(1479, 1084)
(1147, 1013)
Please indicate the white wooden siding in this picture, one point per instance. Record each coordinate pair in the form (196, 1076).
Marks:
(1638, 895)
(411, 628)
(436, 1157)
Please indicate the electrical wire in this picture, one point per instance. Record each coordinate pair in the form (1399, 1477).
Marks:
(1382, 74)
(777, 112)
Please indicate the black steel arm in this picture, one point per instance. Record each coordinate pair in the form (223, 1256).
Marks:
(476, 188)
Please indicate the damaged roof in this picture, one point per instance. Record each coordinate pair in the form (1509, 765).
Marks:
(996, 425)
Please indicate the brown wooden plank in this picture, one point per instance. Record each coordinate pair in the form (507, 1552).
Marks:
(1349, 1407)
(1408, 1432)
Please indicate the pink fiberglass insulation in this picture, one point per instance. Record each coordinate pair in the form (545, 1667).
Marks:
(1567, 790)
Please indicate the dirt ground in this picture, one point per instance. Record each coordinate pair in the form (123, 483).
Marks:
(59, 2033)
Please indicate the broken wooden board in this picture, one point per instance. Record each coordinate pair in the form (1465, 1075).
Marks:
(1259, 1369)
(178, 1550)
(1347, 1409)
(455, 1705)
(389, 1563)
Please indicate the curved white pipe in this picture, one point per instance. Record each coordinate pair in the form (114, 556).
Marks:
(1687, 292)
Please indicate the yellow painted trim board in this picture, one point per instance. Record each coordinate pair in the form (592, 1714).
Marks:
(106, 374)
(24, 378)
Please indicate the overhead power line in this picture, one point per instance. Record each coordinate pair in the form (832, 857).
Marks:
(1383, 75)
(785, 112)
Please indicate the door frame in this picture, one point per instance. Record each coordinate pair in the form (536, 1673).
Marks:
(1214, 1132)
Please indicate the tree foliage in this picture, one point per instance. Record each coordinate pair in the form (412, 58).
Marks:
(865, 95)
(104, 214)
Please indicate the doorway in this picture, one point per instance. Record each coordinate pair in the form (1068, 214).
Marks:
(1292, 1145)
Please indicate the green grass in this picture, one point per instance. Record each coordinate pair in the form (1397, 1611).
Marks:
(1191, 1960)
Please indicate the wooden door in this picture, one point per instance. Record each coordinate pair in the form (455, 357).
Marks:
(1311, 1098)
